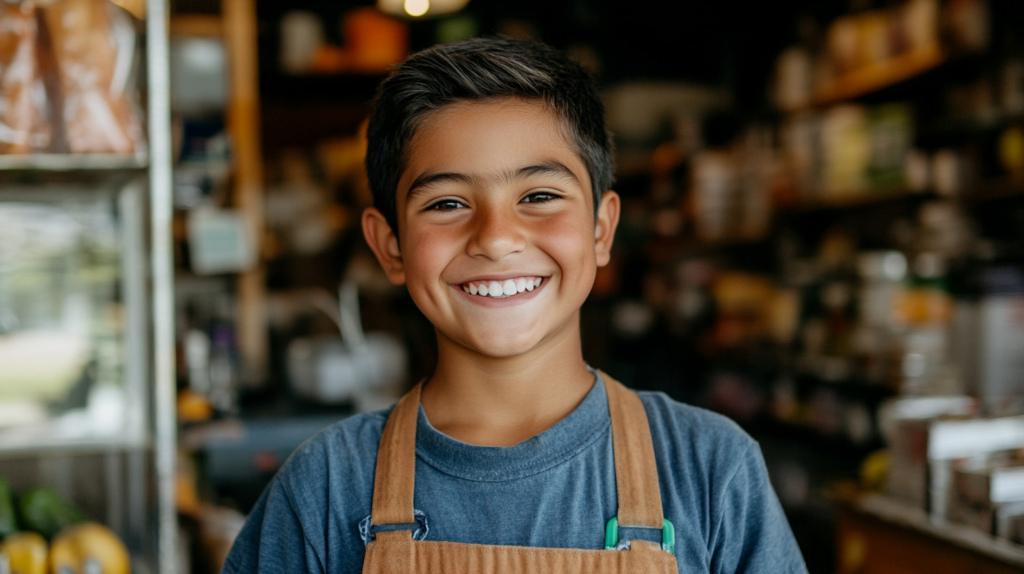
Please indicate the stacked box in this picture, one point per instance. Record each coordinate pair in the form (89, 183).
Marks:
(991, 497)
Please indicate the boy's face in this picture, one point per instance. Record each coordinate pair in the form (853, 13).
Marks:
(494, 194)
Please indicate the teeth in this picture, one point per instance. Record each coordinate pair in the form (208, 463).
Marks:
(505, 288)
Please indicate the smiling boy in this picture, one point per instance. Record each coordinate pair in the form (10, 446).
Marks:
(491, 168)
(493, 196)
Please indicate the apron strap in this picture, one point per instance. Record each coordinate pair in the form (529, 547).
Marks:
(395, 478)
(636, 474)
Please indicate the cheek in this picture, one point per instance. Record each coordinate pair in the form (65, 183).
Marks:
(569, 240)
(426, 253)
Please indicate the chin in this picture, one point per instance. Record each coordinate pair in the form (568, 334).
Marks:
(502, 348)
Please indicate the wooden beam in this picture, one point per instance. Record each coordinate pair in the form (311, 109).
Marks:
(239, 25)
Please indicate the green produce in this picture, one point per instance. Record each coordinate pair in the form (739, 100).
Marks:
(8, 520)
(45, 512)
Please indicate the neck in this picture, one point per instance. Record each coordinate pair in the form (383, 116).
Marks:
(502, 401)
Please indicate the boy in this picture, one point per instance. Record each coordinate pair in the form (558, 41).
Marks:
(490, 164)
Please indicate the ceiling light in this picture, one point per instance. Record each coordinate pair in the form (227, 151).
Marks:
(420, 8)
(416, 8)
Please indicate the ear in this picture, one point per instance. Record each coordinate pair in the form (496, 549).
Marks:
(384, 244)
(604, 228)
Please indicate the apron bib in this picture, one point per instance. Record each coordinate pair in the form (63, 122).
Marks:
(636, 480)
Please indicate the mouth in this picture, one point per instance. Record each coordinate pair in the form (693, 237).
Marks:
(502, 289)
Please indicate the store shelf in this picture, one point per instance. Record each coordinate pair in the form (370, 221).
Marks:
(73, 162)
(995, 190)
(978, 193)
(854, 200)
(895, 512)
(975, 193)
(51, 442)
(872, 78)
(115, 456)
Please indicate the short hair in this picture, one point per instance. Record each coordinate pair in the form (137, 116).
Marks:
(482, 69)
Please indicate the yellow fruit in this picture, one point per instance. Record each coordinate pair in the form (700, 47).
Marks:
(1011, 151)
(82, 548)
(25, 553)
(63, 558)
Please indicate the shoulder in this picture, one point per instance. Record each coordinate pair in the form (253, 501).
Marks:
(703, 446)
(355, 437)
(351, 434)
(341, 458)
(323, 490)
(715, 484)
(693, 426)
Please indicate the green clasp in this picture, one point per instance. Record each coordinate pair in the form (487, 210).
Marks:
(668, 535)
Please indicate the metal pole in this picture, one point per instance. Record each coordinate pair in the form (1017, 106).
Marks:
(162, 262)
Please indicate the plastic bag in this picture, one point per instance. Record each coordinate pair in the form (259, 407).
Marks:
(23, 116)
(66, 78)
(93, 44)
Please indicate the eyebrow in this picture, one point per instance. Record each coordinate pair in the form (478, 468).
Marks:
(553, 168)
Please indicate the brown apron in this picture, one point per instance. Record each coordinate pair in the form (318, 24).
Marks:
(636, 479)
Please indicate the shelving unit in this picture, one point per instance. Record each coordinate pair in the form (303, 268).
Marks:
(810, 445)
(70, 162)
(136, 458)
(880, 534)
(876, 77)
(72, 432)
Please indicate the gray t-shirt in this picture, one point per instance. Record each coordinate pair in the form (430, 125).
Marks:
(556, 489)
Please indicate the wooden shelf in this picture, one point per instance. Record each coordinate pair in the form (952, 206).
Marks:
(994, 190)
(872, 78)
(854, 200)
(975, 193)
(978, 193)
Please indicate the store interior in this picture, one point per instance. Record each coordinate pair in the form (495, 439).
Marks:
(822, 238)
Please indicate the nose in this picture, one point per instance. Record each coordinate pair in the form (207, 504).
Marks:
(497, 232)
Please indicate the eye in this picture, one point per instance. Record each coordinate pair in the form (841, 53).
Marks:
(541, 197)
(445, 205)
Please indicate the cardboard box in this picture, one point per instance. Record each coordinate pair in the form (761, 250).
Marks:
(992, 485)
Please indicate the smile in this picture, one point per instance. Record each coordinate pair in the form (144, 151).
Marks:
(502, 289)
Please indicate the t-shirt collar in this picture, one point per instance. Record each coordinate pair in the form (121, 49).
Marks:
(556, 445)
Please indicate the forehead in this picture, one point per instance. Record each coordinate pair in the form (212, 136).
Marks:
(485, 137)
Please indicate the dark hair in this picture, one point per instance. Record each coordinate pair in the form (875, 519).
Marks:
(482, 69)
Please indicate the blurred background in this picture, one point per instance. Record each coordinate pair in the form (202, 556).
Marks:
(822, 238)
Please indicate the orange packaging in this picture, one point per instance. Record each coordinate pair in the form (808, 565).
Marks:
(375, 42)
(924, 306)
